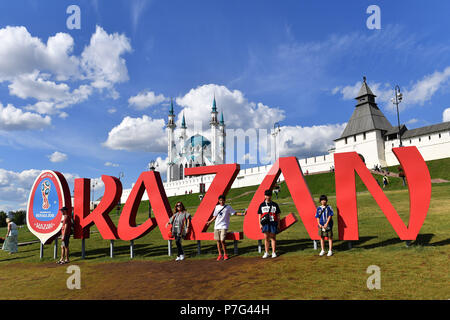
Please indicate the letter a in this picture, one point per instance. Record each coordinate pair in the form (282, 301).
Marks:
(74, 281)
(374, 281)
(73, 21)
(374, 21)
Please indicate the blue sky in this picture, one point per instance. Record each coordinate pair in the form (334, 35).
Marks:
(93, 101)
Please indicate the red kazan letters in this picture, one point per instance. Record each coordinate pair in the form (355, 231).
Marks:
(346, 165)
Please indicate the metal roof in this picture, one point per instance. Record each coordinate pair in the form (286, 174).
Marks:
(366, 116)
(426, 130)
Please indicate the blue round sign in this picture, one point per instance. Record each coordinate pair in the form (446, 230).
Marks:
(46, 201)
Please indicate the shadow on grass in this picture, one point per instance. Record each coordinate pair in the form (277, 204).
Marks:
(344, 245)
(14, 258)
(424, 240)
(210, 247)
(440, 243)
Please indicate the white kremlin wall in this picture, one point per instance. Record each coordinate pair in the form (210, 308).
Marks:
(373, 148)
(246, 177)
(431, 146)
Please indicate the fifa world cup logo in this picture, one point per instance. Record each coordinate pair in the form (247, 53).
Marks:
(45, 189)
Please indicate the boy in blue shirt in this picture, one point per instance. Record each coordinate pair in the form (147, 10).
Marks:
(324, 218)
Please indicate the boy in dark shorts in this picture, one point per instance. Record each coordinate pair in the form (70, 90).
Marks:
(270, 229)
(324, 218)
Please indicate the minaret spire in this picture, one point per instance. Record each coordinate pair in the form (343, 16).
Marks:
(170, 142)
(183, 122)
(214, 107)
(171, 107)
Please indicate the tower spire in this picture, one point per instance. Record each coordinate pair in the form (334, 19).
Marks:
(183, 122)
(214, 108)
(171, 107)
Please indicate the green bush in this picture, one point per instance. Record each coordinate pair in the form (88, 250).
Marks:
(19, 217)
(2, 219)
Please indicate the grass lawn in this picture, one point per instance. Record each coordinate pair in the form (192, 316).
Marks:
(420, 271)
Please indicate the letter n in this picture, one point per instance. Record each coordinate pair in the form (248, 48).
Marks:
(419, 184)
(300, 193)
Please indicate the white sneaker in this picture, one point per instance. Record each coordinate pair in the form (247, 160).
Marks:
(182, 257)
(178, 258)
(330, 253)
(266, 255)
(274, 255)
(321, 253)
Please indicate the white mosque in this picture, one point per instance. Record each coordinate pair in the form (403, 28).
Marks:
(197, 150)
(368, 133)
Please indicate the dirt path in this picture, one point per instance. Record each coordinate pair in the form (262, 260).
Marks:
(192, 278)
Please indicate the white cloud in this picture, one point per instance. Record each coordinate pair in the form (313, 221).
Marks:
(12, 119)
(102, 59)
(238, 111)
(112, 110)
(20, 53)
(97, 184)
(58, 157)
(51, 96)
(146, 99)
(446, 115)
(308, 141)
(35, 70)
(412, 121)
(110, 164)
(423, 90)
(138, 134)
(162, 165)
(137, 8)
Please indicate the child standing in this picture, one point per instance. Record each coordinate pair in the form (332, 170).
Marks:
(221, 215)
(324, 218)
